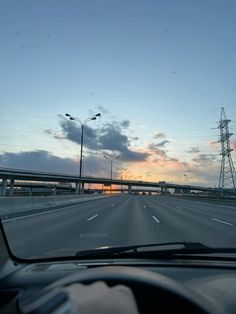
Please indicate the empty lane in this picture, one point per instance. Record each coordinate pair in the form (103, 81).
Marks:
(122, 220)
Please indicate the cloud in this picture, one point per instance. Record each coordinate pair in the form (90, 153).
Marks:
(163, 143)
(156, 151)
(156, 146)
(159, 135)
(105, 137)
(193, 150)
(72, 132)
(112, 139)
(48, 131)
(204, 158)
(170, 169)
(125, 124)
(207, 175)
(173, 170)
(130, 155)
(54, 135)
(41, 160)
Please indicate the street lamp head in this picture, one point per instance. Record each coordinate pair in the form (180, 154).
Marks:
(72, 118)
(93, 118)
(67, 115)
(98, 114)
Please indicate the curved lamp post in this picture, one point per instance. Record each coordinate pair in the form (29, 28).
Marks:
(82, 124)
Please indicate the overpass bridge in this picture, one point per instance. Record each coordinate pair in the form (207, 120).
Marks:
(9, 177)
(42, 188)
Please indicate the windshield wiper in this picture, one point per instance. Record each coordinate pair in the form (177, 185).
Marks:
(165, 248)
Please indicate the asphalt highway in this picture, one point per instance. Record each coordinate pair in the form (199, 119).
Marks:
(121, 220)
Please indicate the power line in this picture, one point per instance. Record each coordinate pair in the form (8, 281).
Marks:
(119, 120)
(49, 126)
(63, 150)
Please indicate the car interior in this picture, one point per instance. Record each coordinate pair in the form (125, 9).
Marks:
(185, 284)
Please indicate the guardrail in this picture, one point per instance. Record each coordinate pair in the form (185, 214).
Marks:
(24, 204)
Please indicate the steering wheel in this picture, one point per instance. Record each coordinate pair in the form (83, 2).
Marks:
(154, 293)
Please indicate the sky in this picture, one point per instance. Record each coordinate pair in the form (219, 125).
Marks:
(157, 71)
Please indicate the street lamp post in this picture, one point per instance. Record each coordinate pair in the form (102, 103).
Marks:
(111, 161)
(185, 179)
(82, 170)
(121, 177)
(82, 124)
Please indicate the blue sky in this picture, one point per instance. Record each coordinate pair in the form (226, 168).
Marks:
(166, 66)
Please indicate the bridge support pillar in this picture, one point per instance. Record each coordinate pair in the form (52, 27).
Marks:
(82, 187)
(129, 189)
(76, 188)
(54, 191)
(4, 187)
(163, 190)
(11, 192)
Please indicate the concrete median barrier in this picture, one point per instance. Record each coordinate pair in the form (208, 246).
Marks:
(12, 205)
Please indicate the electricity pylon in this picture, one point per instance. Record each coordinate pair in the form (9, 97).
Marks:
(227, 170)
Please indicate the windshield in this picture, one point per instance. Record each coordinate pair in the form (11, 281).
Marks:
(116, 125)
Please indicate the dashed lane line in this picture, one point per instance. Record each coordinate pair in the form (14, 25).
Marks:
(222, 221)
(156, 219)
(91, 218)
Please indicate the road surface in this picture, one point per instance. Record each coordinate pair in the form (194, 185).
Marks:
(121, 220)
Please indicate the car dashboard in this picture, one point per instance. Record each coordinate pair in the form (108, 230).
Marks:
(212, 280)
(215, 282)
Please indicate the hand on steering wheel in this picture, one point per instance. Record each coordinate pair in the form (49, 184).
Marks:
(152, 292)
(99, 298)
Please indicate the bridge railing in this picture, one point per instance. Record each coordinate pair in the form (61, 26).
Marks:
(2, 169)
(22, 171)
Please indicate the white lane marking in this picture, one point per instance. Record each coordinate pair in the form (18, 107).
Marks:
(144, 206)
(179, 207)
(223, 222)
(155, 218)
(37, 214)
(32, 215)
(91, 218)
(112, 205)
